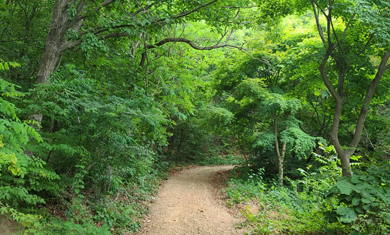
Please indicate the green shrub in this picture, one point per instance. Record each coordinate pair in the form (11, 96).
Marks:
(295, 209)
(364, 200)
(24, 178)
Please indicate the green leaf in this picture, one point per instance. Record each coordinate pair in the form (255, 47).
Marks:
(354, 233)
(348, 215)
(356, 201)
(355, 179)
(359, 210)
(366, 200)
(342, 210)
(345, 187)
(18, 127)
(367, 207)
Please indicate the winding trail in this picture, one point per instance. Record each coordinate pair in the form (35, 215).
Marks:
(188, 204)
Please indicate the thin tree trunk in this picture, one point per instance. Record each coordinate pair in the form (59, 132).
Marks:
(279, 154)
(343, 67)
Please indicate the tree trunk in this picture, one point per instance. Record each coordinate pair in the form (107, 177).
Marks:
(59, 25)
(343, 68)
(280, 155)
(280, 171)
(49, 59)
(345, 158)
(281, 161)
(52, 51)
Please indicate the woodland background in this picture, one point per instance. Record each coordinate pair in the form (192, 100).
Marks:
(99, 99)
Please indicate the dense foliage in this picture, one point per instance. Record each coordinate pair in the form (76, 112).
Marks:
(99, 99)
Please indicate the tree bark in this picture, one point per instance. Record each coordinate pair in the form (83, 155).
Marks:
(62, 22)
(55, 42)
(48, 61)
(343, 68)
(280, 154)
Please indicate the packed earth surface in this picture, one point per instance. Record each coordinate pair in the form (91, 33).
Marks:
(189, 202)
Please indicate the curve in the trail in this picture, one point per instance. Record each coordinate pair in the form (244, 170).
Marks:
(187, 205)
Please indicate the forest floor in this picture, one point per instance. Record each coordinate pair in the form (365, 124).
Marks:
(190, 203)
(8, 226)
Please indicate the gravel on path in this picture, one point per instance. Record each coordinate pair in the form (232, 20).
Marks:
(188, 204)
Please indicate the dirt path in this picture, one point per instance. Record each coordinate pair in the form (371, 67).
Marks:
(187, 204)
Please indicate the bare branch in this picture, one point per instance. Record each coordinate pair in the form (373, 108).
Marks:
(190, 43)
(223, 35)
(320, 31)
(368, 138)
(337, 38)
(184, 40)
(366, 104)
(329, 26)
(184, 13)
(254, 6)
(192, 11)
(108, 2)
(366, 46)
(349, 23)
(324, 76)
(68, 45)
(99, 30)
(142, 9)
(82, 17)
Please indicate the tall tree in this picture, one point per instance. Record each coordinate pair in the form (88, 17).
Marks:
(346, 52)
(75, 22)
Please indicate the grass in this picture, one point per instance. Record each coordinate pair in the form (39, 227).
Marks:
(280, 210)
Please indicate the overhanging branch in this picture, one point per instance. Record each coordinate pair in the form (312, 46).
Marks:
(99, 30)
(187, 41)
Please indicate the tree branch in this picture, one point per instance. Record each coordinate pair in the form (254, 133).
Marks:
(339, 102)
(192, 11)
(320, 31)
(82, 17)
(99, 30)
(142, 9)
(366, 104)
(349, 23)
(248, 7)
(108, 2)
(324, 76)
(337, 38)
(329, 26)
(187, 41)
(368, 138)
(366, 45)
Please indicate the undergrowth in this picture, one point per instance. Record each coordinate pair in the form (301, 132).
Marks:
(320, 202)
(221, 160)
